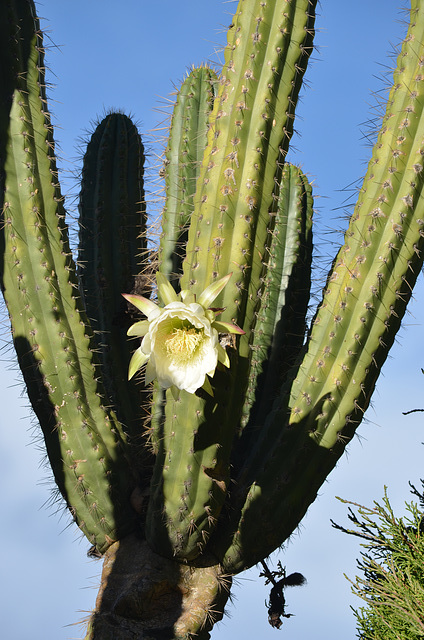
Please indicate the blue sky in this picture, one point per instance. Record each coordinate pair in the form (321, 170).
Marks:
(129, 56)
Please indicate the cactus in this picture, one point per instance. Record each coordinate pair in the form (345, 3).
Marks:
(224, 473)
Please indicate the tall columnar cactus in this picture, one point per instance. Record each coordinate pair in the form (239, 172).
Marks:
(229, 463)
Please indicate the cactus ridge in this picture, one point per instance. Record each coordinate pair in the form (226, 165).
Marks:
(50, 332)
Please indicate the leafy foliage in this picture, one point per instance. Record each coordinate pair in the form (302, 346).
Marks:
(392, 570)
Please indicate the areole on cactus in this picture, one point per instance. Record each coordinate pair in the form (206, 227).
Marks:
(228, 446)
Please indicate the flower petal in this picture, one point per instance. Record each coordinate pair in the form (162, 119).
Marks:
(227, 327)
(210, 293)
(138, 359)
(166, 290)
(139, 328)
(144, 305)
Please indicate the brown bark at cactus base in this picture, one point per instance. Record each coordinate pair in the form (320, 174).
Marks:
(144, 596)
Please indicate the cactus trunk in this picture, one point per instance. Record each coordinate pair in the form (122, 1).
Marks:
(143, 595)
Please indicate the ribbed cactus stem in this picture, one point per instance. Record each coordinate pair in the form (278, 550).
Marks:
(183, 156)
(191, 474)
(112, 252)
(251, 125)
(50, 332)
(236, 196)
(364, 301)
(280, 324)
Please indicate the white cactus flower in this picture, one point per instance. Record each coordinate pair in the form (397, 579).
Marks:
(180, 345)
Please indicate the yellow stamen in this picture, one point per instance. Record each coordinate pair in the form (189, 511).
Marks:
(182, 342)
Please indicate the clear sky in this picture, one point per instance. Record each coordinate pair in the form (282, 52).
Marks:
(129, 55)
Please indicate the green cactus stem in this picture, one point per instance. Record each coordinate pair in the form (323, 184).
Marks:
(364, 301)
(280, 326)
(50, 331)
(183, 156)
(112, 252)
(191, 476)
(251, 125)
(186, 144)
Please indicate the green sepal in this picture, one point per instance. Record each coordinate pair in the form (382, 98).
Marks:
(138, 359)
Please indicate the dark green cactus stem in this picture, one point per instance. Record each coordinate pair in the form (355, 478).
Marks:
(183, 156)
(236, 194)
(50, 331)
(112, 252)
(364, 301)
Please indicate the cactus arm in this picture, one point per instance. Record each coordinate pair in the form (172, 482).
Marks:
(183, 155)
(252, 119)
(112, 251)
(186, 144)
(191, 474)
(280, 326)
(364, 301)
(50, 332)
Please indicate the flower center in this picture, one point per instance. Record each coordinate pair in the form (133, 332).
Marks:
(182, 343)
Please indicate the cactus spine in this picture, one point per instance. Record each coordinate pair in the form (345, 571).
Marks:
(252, 450)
